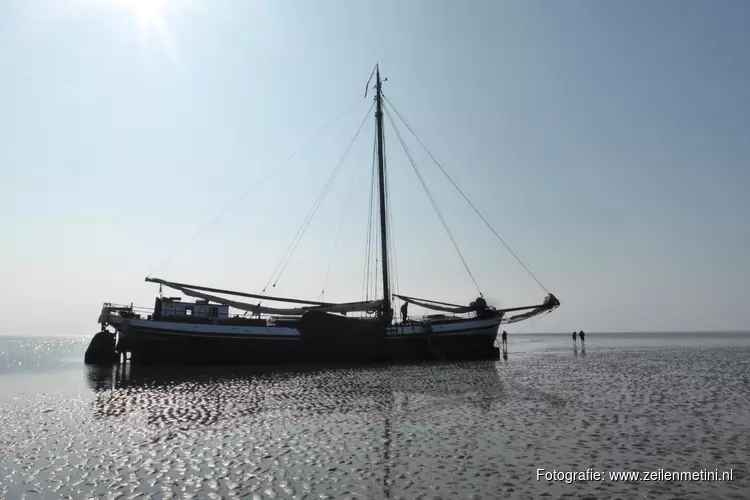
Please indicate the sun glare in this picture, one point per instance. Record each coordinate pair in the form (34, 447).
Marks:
(149, 16)
(148, 11)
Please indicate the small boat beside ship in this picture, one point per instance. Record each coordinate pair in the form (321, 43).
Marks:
(221, 326)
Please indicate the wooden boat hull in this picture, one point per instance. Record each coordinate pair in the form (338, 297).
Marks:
(319, 337)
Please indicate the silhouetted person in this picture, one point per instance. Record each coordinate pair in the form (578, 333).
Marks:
(582, 335)
(574, 338)
(505, 338)
(404, 309)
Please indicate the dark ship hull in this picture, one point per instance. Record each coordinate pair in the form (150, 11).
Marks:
(317, 337)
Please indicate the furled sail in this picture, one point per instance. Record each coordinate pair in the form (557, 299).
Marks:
(550, 303)
(294, 311)
(437, 306)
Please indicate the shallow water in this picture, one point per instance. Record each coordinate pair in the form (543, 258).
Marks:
(630, 402)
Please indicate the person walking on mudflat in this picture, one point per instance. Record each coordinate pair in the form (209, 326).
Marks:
(582, 335)
(505, 339)
(574, 339)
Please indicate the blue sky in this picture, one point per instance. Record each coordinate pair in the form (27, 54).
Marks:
(607, 142)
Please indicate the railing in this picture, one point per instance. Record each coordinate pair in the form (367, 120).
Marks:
(128, 309)
(141, 311)
(149, 311)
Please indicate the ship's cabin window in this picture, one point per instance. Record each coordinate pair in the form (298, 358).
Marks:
(213, 312)
(189, 311)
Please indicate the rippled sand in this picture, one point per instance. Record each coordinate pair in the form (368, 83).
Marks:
(473, 430)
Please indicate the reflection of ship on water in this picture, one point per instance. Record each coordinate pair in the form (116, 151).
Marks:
(388, 399)
(169, 396)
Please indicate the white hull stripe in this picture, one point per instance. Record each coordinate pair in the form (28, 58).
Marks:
(153, 333)
(174, 327)
(474, 327)
(446, 328)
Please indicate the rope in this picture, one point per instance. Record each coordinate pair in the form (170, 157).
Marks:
(301, 231)
(368, 242)
(376, 253)
(393, 272)
(252, 188)
(432, 200)
(484, 219)
(343, 218)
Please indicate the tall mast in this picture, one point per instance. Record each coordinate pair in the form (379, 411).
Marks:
(383, 214)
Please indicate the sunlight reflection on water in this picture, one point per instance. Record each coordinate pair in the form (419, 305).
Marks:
(439, 430)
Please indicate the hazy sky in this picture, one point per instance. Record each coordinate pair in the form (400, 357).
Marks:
(606, 141)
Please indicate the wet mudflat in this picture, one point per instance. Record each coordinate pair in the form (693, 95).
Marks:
(467, 430)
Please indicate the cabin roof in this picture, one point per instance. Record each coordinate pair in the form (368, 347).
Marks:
(179, 302)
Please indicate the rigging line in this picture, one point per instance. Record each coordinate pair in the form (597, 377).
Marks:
(306, 223)
(393, 272)
(374, 233)
(301, 231)
(366, 277)
(388, 216)
(392, 244)
(389, 232)
(343, 158)
(376, 281)
(432, 200)
(252, 188)
(376, 242)
(344, 214)
(484, 219)
(375, 274)
(388, 219)
(368, 245)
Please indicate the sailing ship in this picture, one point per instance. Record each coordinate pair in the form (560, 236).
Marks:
(302, 331)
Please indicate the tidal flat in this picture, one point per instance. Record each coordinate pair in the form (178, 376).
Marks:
(629, 402)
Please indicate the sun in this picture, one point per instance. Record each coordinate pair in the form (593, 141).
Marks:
(151, 18)
(148, 12)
